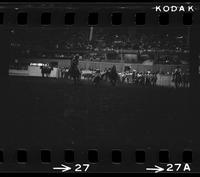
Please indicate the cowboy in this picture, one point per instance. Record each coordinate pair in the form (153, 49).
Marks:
(97, 77)
(134, 74)
(113, 75)
(73, 70)
(42, 70)
(75, 60)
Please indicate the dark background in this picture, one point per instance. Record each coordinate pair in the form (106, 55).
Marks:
(34, 117)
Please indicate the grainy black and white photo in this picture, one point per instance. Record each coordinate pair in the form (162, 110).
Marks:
(144, 57)
(109, 89)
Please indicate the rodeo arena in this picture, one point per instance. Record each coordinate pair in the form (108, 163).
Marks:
(98, 55)
(99, 87)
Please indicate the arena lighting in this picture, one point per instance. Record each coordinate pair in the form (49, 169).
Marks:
(36, 64)
(12, 31)
(40, 64)
(179, 37)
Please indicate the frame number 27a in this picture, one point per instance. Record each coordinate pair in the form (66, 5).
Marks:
(178, 167)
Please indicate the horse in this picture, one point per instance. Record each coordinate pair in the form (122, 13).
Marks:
(46, 70)
(125, 78)
(113, 76)
(177, 78)
(74, 73)
(185, 80)
(134, 76)
(97, 78)
(105, 75)
(63, 72)
(153, 79)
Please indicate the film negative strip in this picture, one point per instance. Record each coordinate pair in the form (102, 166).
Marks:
(99, 87)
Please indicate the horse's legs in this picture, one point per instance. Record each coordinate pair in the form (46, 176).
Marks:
(177, 84)
(113, 82)
(74, 80)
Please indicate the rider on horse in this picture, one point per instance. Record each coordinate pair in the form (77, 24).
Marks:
(46, 70)
(177, 77)
(75, 60)
(73, 70)
(113, 75)
(97, 77)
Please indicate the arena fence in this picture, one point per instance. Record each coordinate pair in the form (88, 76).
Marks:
(85, 65)
(164, 79)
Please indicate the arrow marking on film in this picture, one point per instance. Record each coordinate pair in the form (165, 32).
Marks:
(64, 168)
(156, 169)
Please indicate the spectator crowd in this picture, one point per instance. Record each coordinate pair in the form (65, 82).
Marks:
(93, 42)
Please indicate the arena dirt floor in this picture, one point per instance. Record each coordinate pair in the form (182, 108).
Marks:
(56, 114)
